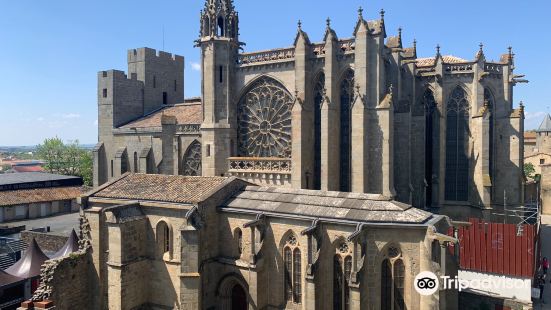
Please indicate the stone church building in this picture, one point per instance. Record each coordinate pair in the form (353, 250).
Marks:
(353, 114)
(179, 242)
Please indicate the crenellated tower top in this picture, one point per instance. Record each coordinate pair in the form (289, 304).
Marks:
(219, 20)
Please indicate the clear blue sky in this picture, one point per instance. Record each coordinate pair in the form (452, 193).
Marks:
(51, 50)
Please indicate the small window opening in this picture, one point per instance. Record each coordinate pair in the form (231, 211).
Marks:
(165, 98)
(175, 85)
(105, 93)
(542, 161)
(221, 73)
(112, 168)
(220, 26)
(154, 82)
(208, 150)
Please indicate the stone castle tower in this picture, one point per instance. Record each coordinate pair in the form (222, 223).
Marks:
(361, 113)
(219, 44)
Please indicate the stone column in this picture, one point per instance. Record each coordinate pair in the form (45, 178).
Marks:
(359, 139)
(190, 278)
(302, 131)
(330, 129)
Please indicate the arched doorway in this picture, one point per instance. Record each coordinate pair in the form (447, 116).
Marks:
(238, 298)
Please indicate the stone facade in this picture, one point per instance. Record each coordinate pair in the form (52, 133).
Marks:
(219, 243)
(362, 114)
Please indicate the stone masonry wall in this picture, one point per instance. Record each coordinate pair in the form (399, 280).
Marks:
(70, 282)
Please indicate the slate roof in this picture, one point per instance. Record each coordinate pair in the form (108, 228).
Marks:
(157, 187)
(15, 178)
(355, 207)
(186, 113)
(25, 196)
(545, 124)
(448, 59)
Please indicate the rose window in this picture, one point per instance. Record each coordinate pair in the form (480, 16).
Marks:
(264, 120)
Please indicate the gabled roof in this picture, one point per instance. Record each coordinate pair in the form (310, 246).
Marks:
(70, 246)
(187, 113)
(356, 207)
(30, 264)
(545, 124)
(24, 196)
(164, 188)
(430, 61)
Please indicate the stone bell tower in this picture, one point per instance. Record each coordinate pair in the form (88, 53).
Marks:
(219, 45)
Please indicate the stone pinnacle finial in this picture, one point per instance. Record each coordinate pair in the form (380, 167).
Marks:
(437, 49)
(400, 32)
(328, 22)
(299, 24)
(360, 13)
(382, 14)
(481, 46)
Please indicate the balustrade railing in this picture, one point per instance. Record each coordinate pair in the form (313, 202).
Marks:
(266, 56)
(259, 165)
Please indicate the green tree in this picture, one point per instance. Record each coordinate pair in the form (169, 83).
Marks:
(67, 159)
(529, 170)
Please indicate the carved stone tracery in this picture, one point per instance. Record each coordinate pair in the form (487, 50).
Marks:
(264, 120)
(192, 159)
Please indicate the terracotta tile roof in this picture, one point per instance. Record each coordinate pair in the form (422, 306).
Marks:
(188, 113)
(394, 41)
(529, 135)
(408, 52)
(24, 196)
(28, 168)
(157, 187)
(429, 61)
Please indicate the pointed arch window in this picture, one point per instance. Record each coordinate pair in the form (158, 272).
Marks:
(386, 285)
(292, 261)
(135, 161)
(264, 120)
(393, 281)
(342, 268)
(431, 144)
(319, 90)
(192, 159)
(347, 94)
(398, 277)
(457, 139)
(164, 242)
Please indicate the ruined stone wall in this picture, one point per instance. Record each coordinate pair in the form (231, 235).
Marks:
(70, 281)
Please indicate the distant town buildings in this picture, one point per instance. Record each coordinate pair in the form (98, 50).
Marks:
(37, 194)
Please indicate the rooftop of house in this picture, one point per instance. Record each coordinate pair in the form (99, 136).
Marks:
(157, 187)
(10, 181)
(314, 204)
(189, 112)
(37, 195)
(356, 207)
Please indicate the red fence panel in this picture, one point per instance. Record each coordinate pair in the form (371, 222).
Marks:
(496, 248)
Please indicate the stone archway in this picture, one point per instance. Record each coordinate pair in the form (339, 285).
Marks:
(233, 293)
(238, 298)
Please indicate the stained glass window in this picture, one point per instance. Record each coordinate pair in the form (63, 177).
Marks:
(347, 94)
(457, 139)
